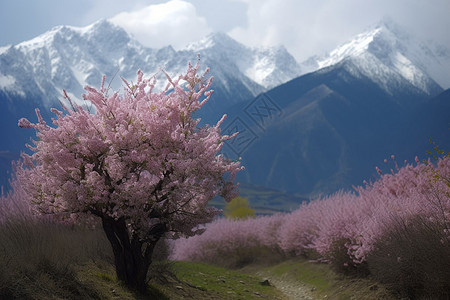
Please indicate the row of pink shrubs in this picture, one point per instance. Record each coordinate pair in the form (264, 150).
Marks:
(346, 224)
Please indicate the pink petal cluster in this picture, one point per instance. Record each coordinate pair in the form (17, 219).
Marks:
(140, 157)
(354, 220)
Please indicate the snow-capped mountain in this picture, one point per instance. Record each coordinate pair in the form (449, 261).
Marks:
(268, 67)
(327, 130)
(69, 58)
(392, 57)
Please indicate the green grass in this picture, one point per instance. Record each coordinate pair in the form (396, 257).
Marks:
(315, 275)
(104, 276)
(102, 280)
(324, 282)
(190, 281)
(212, 282)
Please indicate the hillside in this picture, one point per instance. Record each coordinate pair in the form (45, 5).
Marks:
(329, 129)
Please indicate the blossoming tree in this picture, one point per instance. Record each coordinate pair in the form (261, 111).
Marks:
(140, 163)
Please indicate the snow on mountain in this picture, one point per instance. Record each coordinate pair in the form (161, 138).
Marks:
(69, 58)
(65, 58)
(389, 55)
(269, 67)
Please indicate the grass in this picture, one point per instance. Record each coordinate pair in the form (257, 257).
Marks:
(42, 260)
(323, 281)
(102, 280)
(317, 276)
(220, 283)
(190, 281)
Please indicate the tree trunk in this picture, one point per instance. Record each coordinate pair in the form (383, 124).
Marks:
(132, 257)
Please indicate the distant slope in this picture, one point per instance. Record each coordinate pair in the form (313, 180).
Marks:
(368, 99)
(330, 129)
(431, 120)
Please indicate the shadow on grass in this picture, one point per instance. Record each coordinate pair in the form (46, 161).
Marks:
(40, 259)
(37, 259)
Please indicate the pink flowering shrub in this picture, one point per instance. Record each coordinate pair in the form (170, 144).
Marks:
(300, 229)
(345, 228)
(412, 252)
(139, 163)
(360, 220)
(232, 243)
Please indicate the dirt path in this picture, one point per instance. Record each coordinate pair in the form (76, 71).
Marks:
(292, 289)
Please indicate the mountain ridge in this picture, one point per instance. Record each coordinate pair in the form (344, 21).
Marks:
(106, 42)
(394, 48)
(332, 129)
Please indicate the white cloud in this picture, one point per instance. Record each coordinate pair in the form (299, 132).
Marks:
(173, 23)
(307, 27)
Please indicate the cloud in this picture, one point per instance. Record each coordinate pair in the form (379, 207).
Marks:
(174, 23)
(307, 27)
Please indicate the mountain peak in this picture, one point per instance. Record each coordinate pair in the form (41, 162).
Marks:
(379, 36)
(105, 32)
(266, 66)
(213, 40)
(103, 26)
(220, 36)
(387, 48)
(102, 30)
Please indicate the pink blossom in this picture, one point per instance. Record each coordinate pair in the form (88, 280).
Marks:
(24, 123)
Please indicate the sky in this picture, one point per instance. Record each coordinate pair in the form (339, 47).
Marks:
(304, 27)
